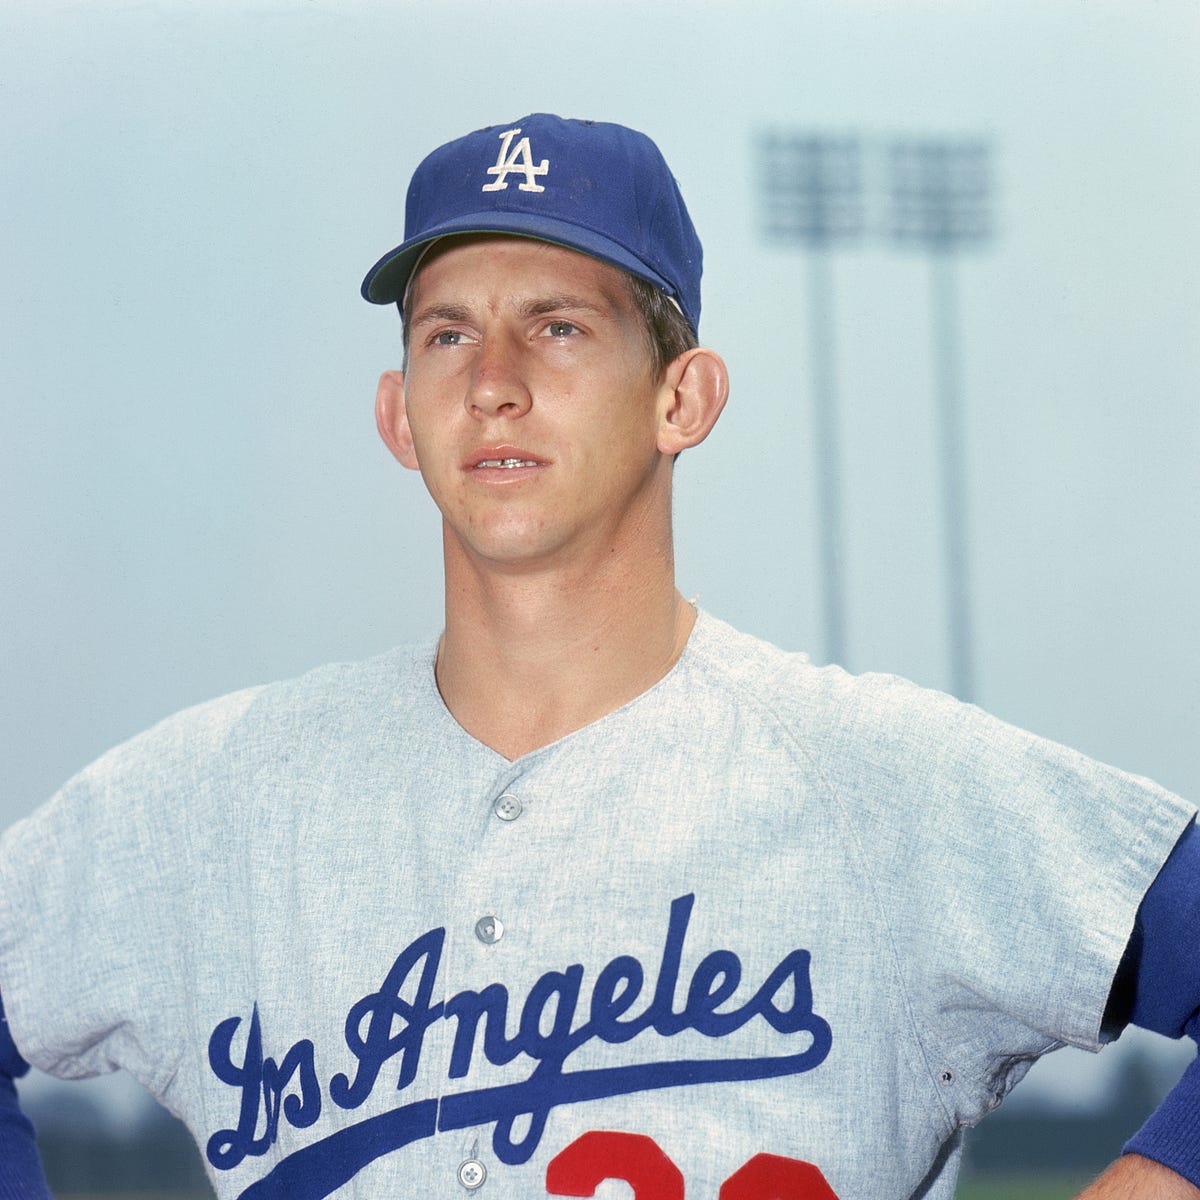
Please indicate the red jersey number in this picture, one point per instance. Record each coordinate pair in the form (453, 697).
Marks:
(594, 1157)
(769, 1177)
(638, 1161)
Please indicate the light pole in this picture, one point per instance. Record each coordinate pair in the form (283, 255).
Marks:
(812, 186)
(940, 196)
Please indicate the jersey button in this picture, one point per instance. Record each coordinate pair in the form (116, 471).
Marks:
(471, 1174)
(489, 930)
(508, 807)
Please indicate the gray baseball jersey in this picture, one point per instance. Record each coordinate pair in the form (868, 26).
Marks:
(768, 930)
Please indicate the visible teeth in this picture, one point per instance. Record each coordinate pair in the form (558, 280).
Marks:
(506, 463)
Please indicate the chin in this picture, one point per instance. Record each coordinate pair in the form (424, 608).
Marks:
(510, 547)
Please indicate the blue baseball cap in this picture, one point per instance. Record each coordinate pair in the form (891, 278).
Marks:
(598, 188)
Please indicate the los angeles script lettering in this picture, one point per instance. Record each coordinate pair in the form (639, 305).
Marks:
(385, 1029)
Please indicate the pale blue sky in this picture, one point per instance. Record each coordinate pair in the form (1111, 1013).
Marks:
(194, 496)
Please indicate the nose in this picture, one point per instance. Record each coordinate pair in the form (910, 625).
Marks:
(497, 386)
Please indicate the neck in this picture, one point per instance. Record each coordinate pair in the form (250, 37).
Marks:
(529, 657)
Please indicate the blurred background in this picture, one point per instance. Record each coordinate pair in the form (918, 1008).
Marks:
(951, 259)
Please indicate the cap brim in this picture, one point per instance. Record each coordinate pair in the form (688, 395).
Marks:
(387, 280)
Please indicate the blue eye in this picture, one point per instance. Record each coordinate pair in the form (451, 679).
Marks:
(560, 329)
(448, 337)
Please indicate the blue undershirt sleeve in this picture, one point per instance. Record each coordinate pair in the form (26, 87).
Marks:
(21, 1175)
(1158, 988)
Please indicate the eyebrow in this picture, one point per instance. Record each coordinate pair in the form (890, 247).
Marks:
(560, 303)
(536, 307)
(439, 312)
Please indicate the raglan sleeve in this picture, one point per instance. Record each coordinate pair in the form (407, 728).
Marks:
(94, 889)
(1013, 878)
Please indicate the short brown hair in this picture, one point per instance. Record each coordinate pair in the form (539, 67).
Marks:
(668, 334)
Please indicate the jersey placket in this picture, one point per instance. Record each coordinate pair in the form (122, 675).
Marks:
(486, 928)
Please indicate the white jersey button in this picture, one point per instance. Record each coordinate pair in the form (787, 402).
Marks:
(508, 807)
(489, 930)
(471, 1174)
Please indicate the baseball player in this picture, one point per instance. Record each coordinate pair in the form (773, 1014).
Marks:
(593, 887)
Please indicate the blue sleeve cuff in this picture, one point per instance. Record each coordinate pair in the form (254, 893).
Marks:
(1158, 986)
(1172, 1134)
(11, 1062)
(21, 1175)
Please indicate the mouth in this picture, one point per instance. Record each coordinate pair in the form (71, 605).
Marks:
(502, 458)
(504, 464)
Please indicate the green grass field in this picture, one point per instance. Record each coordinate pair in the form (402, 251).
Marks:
(1021, 1187)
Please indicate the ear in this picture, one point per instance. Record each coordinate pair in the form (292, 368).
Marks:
(391, 418)
(694, 390)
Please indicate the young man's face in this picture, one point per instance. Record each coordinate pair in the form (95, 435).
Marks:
(530, 404)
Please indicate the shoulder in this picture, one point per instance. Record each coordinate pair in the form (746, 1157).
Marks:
(221, 736)
(826, 705)
(879, 737)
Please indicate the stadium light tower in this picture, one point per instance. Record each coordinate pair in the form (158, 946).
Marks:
(940, 202)
(812, 189)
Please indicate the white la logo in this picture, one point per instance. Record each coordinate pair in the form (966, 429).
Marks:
(519, 159)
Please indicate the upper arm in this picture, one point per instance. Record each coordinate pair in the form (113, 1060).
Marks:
(12, 1064)
(1157, 985)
